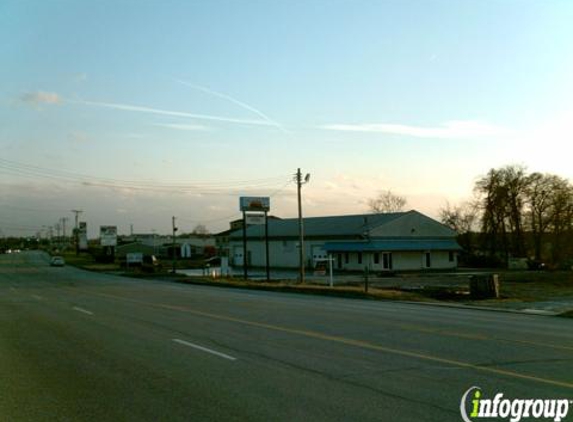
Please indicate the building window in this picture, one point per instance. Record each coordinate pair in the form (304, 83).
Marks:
(428, 259)
(377, 258)
(451, 256)
(360, 257)
(346, 258)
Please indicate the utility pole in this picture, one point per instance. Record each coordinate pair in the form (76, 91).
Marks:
(76, 230)
(299, 183)
(77, 215)
(245, 256)
(174, 244)
(64, 219)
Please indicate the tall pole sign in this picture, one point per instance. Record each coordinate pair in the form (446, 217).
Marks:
(252, 207)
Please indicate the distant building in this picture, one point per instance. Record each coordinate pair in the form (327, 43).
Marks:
(187, 246)
(381, 242)
(222, 239)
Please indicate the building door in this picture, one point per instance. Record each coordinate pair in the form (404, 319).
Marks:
(427, 257)
(387, 261)
(339, 261)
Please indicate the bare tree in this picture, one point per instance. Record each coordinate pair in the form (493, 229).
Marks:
(200, 230)
(540, 200)
(463, 219)
(502, 193)
(386, 202)
(549, 212)
(561, 221)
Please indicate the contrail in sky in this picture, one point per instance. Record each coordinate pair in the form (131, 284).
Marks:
(234, 101)
(142, 109)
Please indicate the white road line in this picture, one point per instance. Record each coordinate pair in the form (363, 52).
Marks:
(75, 308)
(204, 349)
(37, 297)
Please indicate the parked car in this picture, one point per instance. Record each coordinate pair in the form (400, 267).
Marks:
(57, 261)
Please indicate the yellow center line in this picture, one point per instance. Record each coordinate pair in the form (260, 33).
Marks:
(347, 341)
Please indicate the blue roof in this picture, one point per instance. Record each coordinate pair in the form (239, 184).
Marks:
(345, 225)
(391, 245)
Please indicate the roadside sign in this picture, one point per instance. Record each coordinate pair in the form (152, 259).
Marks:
(83, 236)
(255, 219)
(255, 203)
(108, 235)
(134, 258)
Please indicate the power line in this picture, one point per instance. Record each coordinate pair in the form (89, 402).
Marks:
(32, 209)
(206, 187)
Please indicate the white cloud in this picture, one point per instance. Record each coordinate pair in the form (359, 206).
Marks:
(455, 129)
(40, 97)
(142, 109)
(235, 101)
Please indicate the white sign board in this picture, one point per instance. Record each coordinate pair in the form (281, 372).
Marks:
(255, 203)
(134, 258)
(255, 219)
(108, 235)
(83, 236)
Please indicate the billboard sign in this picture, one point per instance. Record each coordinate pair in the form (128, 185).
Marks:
(83, 236)
(255, 203)
(255, 219)
(134, 258)
(108, 235)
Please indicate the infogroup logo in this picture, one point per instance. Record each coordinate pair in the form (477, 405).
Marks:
(474, 406)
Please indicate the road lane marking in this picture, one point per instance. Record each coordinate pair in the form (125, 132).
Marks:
(350, 342)
(37, 297)
(204, 349)
(84, 311)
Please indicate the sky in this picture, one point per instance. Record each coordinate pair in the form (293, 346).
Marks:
(135, 112)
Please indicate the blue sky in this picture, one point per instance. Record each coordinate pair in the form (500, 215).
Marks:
(420, 97)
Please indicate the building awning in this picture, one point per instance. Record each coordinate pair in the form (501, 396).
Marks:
(393, 245)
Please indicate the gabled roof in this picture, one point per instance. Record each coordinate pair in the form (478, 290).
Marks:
(333, 226)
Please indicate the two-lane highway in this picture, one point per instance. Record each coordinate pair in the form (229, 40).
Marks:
(81, 346)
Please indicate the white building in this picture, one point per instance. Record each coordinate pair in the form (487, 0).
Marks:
(401, 241)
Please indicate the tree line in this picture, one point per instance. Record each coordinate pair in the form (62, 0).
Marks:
(513, 214)
(516, 214)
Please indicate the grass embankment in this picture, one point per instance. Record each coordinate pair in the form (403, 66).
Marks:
(516, 286)
(529, 286)
(87, 262)
(290, 286)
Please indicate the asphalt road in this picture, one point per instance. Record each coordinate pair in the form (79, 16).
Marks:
(81, 346)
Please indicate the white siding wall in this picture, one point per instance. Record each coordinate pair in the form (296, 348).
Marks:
(284, 254)
(404, 261)
(441, 260)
